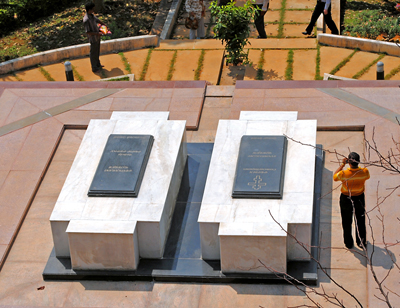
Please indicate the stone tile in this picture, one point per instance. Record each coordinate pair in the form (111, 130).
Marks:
(20, 280)
(82, 66)
(55, 178)
(158, 104)
(56, 71)
(101, 104)
(183, 103)
(304, 62)
(220, 91)
(356, 63)
(275, 64)
(7, 102)
(33, 242)
(385, 100)
(129, 104)
(304, 4)
(186, 64)
(184, 93)
(113, 65)
(136, 59)
(217, 102)
(15, 194)
(294, 30)
(10, 146)
(211, 116)
(298, 16)
(178, 44)
(44, 102)
(175, 295)
(146, 92)
(81, 117)
(31, 75)
(212, 65)
(35, 155)
(118, 294)
(332, 56)
(20, 110)
(159, 65)
(3, 176)
(248, 93)
(191, 117)
(69, 144)
(271, 30)
(203, 135)
(247, 104)
(293, 93)
(335, 118)
(251, 70)
(42, 206)
(272, 16)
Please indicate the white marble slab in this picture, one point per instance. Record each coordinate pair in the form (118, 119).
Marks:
(152, 209)
(222, 216)
(127, 115)
(268, 116)
(103, 244)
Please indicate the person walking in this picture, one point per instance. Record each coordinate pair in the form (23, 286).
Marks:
(352, 199)
(263, 6)
(322, 6)
(92, 31)
(197, 10)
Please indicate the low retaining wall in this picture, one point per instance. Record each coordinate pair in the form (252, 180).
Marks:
(78, 51)
(363, 44)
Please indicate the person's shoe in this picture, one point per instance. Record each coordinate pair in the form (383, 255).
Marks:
(97, 70)
(305, 33)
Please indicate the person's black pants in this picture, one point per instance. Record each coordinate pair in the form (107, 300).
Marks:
(259, 21)
(95, 55)
(318, 10)
(348, 206)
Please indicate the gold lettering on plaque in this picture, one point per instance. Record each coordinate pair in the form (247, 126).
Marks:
(257, 184)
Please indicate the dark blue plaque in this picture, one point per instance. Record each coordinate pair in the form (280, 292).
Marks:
(121, 167)
(260, 168)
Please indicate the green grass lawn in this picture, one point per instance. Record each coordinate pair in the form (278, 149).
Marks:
(124, 18)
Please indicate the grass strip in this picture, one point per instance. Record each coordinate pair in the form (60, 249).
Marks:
(146, 65)
(281, 18)
(200, 63)
(392, 73)
(343, 63)
(318, 64)
(126, 63)
(260, 66)
(77, 76)
(172, 66)
(365, 69)
(125, 78)
(46, 74)
(16, 77)
(289, 67)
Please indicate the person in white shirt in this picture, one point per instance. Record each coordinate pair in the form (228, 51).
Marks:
(325, 7)
(259, 19)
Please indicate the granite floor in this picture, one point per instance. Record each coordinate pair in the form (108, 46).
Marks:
(42, 125)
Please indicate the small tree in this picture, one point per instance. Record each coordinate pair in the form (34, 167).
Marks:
(233, 28)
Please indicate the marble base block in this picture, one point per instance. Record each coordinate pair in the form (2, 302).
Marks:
(151, 212)
(103, 245)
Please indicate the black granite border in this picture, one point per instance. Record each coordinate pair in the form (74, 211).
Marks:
(182, 261)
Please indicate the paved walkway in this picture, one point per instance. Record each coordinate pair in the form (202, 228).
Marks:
(182, 59)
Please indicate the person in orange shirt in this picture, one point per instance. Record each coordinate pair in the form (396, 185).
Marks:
(352, 199)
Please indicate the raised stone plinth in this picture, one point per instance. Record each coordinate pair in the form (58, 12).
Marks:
(76, 219)
(239, 232)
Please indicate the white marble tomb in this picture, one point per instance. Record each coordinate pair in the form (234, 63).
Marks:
(113, 233)
(240, 232)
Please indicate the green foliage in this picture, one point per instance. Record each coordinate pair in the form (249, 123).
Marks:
(46, 74)
(289, 67)
(126, 63)
(233, 28)
(318, 64)
(125, 78)
(371, 23)
(77, 76)
(172, 65)
(343, 62)
(146, 65)
(281, 18)
(392, 73)
(199, 65)
(260, 65)
(116, 32)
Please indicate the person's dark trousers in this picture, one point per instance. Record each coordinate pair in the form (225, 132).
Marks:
(348, 206)
(318, 10)
(95, 55)
(259, 21)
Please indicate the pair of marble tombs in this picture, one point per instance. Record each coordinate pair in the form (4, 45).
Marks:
(113, 233)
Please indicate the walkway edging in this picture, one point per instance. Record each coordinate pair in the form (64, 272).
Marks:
(363, 44)
(77, 51)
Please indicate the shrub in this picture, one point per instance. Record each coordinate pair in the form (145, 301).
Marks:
(372, 23)
(233, 28)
